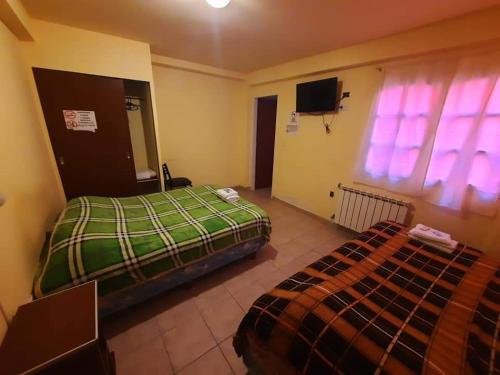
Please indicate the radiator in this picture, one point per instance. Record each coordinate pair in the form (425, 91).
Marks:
(358, 210)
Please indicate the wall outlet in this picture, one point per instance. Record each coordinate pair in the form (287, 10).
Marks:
(332, 194)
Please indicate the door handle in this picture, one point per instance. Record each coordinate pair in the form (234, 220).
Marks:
(128, 155)
(61, 160)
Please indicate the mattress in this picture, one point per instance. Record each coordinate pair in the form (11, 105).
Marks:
(124, 241)
(381, 303)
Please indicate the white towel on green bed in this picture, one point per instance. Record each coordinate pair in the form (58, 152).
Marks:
(228, 194)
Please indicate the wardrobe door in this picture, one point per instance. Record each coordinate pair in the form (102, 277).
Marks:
(91, 161)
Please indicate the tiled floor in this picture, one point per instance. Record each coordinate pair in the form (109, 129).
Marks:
(189, 330)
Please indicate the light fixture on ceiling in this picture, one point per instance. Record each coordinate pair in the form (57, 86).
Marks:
(218, 3)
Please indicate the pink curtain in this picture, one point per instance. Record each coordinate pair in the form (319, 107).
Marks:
(435, 132)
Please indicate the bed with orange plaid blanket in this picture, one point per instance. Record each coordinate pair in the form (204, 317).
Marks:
(381, 303)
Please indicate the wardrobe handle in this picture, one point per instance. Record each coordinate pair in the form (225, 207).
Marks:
(128, 155)
(61, 160)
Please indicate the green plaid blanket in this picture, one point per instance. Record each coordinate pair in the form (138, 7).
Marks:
(123, 241)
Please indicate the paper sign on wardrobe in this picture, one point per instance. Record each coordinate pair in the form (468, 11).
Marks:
(80, 120)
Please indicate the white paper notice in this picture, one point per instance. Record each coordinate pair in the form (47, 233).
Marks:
(80, 120)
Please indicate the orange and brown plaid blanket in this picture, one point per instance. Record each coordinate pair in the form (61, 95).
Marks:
(381, 303)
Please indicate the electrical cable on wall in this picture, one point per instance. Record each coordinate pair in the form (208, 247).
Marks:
(328, 125)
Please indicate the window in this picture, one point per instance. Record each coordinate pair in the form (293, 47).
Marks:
(402, 126)
(435, 132)
(401, 122)
(467, 145)
(484, 173)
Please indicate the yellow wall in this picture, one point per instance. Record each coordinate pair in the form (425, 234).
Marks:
(26, 178)
(310, 164)
(202, 123)
(15, 17)
(71, 49)
(28, 173)
(68, 48)
(474, 29)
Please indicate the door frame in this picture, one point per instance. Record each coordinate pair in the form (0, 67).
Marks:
(253, 139)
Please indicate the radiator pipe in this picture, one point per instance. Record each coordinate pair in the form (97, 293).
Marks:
(375, 196)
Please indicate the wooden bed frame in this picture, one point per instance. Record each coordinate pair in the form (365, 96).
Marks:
(137, 293)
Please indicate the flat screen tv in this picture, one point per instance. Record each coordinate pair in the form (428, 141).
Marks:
(317, 96)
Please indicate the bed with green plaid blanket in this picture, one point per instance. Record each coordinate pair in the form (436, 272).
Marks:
(124, 241)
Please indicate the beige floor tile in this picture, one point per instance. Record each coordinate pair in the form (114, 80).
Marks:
(280, 224)
(238, 282)
(325, 247)
(308, 258)
(315, 237)
(289, 251)
(294, 246)
(268, 252)
(215, 278)
(188, 341)
(177, 315)
(262, 269)
(299, 263)
(283, 256)
(236, 363)
(133, 316)
(149, 359)
(220, 276)
(247, 296)
(211, 363)
(281, 237)
(212, 296)
(134, 337)
(223, 318)
(269, 281)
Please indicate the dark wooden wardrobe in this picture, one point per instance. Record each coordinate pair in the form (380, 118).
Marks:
(99, 162)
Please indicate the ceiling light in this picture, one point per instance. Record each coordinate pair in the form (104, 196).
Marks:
(218, 3)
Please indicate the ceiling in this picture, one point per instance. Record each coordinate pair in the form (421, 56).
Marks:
(249, 35)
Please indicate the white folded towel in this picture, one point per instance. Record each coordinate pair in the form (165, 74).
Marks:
(228, 194)
(431, 234)
(145, 174)
(438, 245)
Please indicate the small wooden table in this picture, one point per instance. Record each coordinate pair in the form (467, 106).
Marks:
(57, 334)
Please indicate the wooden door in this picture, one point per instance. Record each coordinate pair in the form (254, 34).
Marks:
(264, 148)
(90, 163)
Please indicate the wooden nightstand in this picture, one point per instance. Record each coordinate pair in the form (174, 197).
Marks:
(58, 334)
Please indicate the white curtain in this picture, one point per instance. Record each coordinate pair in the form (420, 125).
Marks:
(464, 169)
(434, 132)
(398, 144)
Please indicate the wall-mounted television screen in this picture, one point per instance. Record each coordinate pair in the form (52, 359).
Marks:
(317, 96)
